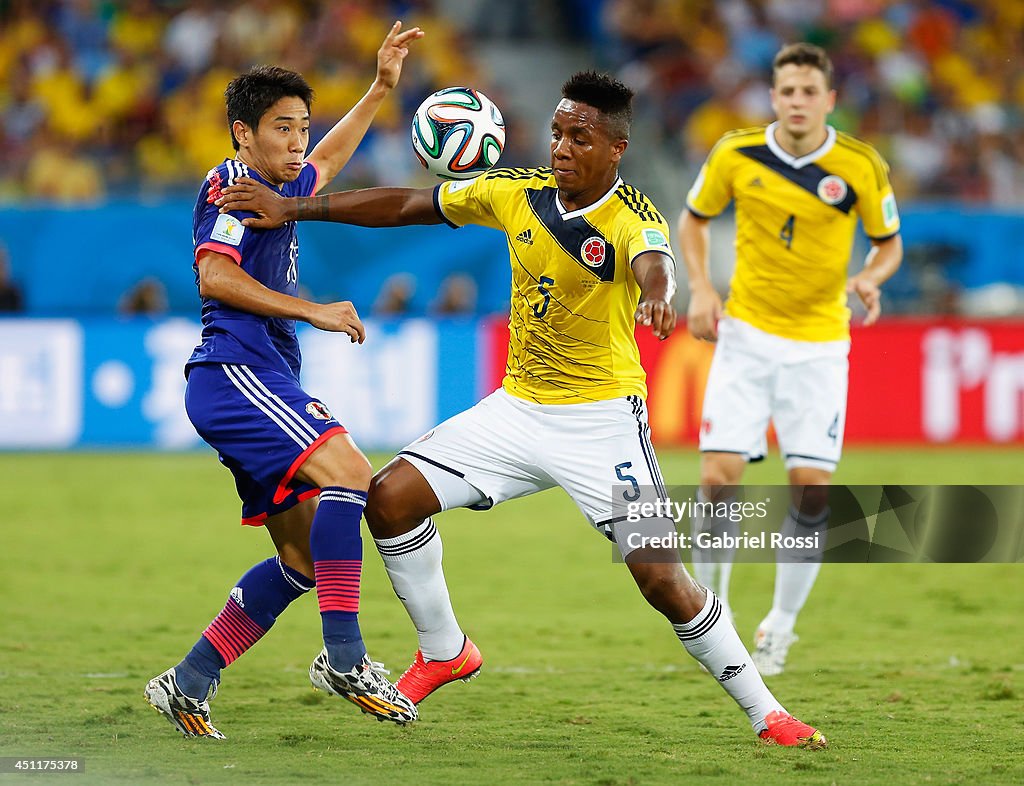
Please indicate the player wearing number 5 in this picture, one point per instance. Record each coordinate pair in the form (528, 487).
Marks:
(590, 259)
(799, 186)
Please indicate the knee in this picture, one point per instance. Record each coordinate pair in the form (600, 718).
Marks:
(715, 475)
(352, 471)
(298, 558)
(388, 513)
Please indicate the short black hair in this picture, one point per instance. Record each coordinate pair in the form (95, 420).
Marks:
(607, 95)
(804, 54)
(250, 95)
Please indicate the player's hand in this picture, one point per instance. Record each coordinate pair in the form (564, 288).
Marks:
(252, 196)
(703, 313)
(392, 52)
(870, 295)
(659, 314)
(339, 318)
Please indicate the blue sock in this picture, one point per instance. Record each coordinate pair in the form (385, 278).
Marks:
(337, 550)
(260, 596)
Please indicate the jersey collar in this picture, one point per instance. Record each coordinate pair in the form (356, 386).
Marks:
(583, 210)
(798, 163)
(238, 168)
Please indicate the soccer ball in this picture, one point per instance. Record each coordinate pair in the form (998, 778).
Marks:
(457, 133)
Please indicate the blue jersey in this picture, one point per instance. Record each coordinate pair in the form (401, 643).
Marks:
(268, 255)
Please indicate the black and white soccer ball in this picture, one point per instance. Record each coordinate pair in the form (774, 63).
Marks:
(457, 133)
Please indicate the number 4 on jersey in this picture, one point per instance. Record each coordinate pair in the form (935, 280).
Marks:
(786, 233)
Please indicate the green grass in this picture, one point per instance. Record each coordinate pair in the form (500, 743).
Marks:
(115, 562)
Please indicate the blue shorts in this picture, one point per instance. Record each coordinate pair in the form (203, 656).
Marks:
(263, 426)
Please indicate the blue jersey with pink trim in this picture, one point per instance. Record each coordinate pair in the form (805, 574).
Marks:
(268, 255)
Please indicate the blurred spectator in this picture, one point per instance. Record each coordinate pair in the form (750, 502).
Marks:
(192, 34)
(11, 300)
(395, 297)
(456, 296)
(62, 173)
(147, 298)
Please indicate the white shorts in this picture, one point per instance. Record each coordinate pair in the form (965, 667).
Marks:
(800, 386)
(505, 447)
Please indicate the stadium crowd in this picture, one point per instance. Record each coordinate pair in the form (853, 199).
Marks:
(98, 95)
(936, 85)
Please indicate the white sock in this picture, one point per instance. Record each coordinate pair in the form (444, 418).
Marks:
(714, 642)
(795, 571)
(713, 567)
(413, 562)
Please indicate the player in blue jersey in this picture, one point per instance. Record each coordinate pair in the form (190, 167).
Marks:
(297, 471)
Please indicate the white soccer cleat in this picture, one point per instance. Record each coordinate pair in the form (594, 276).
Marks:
(770, 651)
(365, 686)
(189, 716)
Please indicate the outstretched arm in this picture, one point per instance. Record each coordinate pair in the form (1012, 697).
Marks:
(656, 274)
(336, 148)
(368, 207)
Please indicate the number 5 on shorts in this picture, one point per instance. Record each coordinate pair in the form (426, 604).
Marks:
(633, 494)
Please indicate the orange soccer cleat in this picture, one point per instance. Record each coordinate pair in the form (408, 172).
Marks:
(423, 677)
(784, 729)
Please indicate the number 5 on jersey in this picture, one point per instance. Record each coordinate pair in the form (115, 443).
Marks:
(540, 309)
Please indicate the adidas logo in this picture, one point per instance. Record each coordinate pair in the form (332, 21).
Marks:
(236, 593)
(756, 183)
(526, 236)
(731, 671)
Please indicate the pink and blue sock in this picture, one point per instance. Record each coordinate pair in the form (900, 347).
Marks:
(337, 549)
(260, 596)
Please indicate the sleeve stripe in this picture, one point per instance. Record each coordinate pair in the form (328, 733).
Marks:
(316, 183)
(877, 163)
(883, 238)
(438, 208)
(667, 252)
(697, 213)
(220, 248)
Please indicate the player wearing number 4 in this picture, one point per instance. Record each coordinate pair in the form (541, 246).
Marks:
(783, 340)
(590, 259)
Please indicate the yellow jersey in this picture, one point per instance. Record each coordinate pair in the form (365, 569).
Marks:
(795, 222)
(573, 290)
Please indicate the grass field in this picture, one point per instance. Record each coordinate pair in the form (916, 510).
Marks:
(117, 561)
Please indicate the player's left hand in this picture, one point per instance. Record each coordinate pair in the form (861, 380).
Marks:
(660, 315)
(392, 52)
(254, 197)
(870, 295)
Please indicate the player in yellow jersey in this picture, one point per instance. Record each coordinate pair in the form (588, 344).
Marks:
(783, 340)
(590, 260)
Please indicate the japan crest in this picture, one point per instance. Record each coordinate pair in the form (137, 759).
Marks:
(592, 251)
(318, 410)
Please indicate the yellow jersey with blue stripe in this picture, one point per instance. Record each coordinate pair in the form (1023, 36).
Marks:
(795, 223)
(573, 290)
